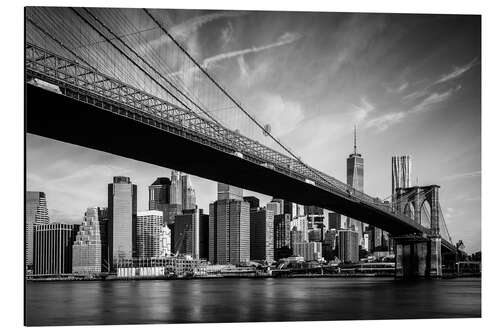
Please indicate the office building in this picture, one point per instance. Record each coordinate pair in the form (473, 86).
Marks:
(261, 234)
(229, 227)
(334, 221)
(159, 196)
(274, 207)
(36, 213)
(122, 215)
(253, 201)
(347, 244)
(355, 178)
(281, 234)
(90, 245)
(171, 211)
(309, 251)
(186, 233)
(313, 210)
(149, 228)
(204, 234)
(188, 193)
(229, 192)
(297, 236)
(53, 248)
(176, 188)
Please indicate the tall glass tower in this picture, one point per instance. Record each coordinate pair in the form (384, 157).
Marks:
(355, 176)
(122, 210)
(401, 172)
(159, 196)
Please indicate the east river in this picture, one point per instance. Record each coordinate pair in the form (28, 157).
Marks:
(246, 300)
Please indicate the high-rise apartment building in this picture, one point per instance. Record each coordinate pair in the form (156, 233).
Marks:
(355, 178)
(36, 213)
(149, 229)
(261, 234)
(348, 246)
(122, 214)
(90, 245)
(159, 196)
(53, 248)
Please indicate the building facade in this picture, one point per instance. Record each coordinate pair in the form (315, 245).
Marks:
(89, 248)
(149, 228)
(281, 234)
(401, 172)
(176, 188)
(348, 246)
(122, 214)
(188, 193)
(261, 235)
(309, 251)
(186, 234)
(53, 248)
(159, 195)
(355, 178)
(36, 213)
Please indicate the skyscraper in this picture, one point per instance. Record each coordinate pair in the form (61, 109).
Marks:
(261, 234)
(53, 248)
(229, 227)
(89, 247)
(188, 193)
(254, 202)
(159, 196)
(348, 246)
(176, 188)
(122, 214)
(334, 220)
(281, 234)
(36, 213)
(149, 230)
(186, 233)
(355, 176)
(401, 172)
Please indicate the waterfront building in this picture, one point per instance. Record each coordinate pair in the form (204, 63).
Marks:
(36, 213)
(159, 196)
(261, 235)
(122, 214)
(186, 234)
(355, 178)
(309, 251)
(347, 244)
(149, 229)
(204, 234)
(188, 193)
(179, 266)
(281, 234)
(53, 248)
(229, 227)
(165, 241)
(89, 248)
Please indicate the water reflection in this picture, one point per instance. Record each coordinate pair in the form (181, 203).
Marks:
(225, 300)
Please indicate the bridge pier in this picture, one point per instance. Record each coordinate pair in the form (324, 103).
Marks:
(417, 257)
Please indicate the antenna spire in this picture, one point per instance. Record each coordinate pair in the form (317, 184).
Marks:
(355, 141)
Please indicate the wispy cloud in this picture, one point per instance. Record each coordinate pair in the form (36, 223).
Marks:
(465, 175)
(383, 122)
(398, 89)
(286, 38)
(363, 110)
(457, 72)
(433, 99)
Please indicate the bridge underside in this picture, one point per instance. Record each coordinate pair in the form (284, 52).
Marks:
(59, 117)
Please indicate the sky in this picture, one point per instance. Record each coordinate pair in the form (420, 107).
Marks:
(411, 84)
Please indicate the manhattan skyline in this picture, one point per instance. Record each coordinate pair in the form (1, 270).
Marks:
(410, 82)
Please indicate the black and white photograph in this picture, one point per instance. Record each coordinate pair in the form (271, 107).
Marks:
(225, 165)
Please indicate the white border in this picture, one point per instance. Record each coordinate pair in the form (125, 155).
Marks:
(12, 157)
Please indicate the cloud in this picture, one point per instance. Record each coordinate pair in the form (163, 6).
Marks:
(457, 72)
(383, 122)
(363, 110)
(286, 38)
(227, 34)
(398, 89)
(433, 99)
(460, 176)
